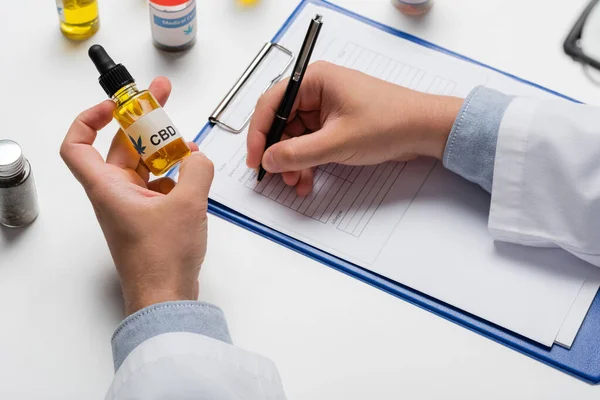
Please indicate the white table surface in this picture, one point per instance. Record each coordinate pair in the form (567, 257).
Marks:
(332, 337)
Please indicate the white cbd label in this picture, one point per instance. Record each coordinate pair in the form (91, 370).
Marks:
(60, 8)
(152, 132)
(173, 28)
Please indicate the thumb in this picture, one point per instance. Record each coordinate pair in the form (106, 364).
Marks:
(195, 177)
(303, 152)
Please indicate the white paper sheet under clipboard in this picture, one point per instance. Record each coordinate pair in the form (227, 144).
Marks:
(414, 223)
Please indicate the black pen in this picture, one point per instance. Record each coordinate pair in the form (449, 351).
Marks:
(285, 108)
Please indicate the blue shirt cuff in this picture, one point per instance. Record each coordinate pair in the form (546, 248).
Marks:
(471, 148)
(178, 316)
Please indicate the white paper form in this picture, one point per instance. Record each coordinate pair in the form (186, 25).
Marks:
(412, 222)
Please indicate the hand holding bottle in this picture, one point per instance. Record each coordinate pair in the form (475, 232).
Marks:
(156, 231)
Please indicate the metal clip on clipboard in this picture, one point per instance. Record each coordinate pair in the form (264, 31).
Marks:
(215, 117)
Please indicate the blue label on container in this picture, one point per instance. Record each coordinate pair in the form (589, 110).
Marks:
(177, 22)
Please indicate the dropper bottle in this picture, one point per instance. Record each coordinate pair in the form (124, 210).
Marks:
(144, 121)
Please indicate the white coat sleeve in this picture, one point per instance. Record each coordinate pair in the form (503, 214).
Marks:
(546, 184)
(189, 366)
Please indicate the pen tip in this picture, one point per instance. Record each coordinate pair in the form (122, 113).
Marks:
(261, 174)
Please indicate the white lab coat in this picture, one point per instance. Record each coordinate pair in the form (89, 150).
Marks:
(188, 366)
(546, 189)
(546, 192)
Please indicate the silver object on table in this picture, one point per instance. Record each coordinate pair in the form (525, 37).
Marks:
(18, 196)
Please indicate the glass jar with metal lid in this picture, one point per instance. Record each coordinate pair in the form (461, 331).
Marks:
(18, 196)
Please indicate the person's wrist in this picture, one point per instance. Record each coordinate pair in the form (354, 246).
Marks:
(140, 298)
(150, 280)
(153, 284)
(436, 119)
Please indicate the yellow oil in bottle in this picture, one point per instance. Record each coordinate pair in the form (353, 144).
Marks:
(78, 18)
(131, 106)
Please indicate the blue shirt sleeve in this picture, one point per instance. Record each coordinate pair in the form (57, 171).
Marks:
(471, 148)
(178, 316)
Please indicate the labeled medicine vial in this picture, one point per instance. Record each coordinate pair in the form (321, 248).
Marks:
(18, 197)
(145, 123)
(78, 18)
(413, 7)
(173, 24)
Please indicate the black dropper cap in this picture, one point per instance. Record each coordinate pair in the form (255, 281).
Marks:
(112, 76)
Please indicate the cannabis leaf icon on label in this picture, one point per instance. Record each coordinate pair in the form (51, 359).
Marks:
(139, 147)
(189, 30)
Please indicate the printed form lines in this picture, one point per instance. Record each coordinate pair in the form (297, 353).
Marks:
(345, 195)
(359, 58)
(331, 183)
(369, 197)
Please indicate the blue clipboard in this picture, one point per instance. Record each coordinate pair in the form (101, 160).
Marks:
(581, 361)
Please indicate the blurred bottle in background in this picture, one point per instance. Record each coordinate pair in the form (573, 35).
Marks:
(413, 7)
(78, 18)
(246, 3)
(173, 24)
